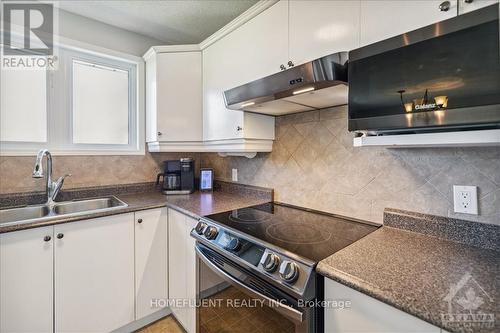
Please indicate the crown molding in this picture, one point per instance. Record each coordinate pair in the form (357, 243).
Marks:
(171, 49)
(246, 16)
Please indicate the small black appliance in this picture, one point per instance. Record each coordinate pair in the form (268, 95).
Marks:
(178, 176)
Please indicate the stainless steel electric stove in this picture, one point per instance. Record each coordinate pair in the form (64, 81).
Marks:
(267, 254)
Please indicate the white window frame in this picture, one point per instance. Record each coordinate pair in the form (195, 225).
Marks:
(60, 107)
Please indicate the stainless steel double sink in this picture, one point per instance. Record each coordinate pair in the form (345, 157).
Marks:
(31, 213)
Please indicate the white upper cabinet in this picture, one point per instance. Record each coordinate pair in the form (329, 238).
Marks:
(174, 94)
(466, 6)
(383, 19)
(254, 50)
(319, 28)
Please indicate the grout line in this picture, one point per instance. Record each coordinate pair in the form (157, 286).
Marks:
(481, 172)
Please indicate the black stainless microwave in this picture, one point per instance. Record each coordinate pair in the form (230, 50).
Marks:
(445, 76)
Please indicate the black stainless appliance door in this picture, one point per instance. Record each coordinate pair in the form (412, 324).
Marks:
(231, 299)
(443, 75)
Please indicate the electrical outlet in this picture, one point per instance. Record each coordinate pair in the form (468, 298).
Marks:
(465, 199)
(234, 175)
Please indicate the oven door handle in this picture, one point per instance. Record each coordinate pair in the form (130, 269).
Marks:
(281, 308)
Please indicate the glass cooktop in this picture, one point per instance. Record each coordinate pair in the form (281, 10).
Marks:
(307, 233)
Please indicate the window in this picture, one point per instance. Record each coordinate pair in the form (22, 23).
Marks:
(100, 115)
(89, 105)
(17, 109)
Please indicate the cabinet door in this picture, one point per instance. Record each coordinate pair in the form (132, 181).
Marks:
(190, 275)
(254, 50)
(367, 314)
(26, 281)
(94, 274)
(179, 96)
(319, 28)
(177, 264)
(219, 123)
(465, 7)
(151, 106)
(387, 18)
(182, 268)
(150, 260)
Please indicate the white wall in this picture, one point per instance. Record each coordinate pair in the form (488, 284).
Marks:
(94, 32)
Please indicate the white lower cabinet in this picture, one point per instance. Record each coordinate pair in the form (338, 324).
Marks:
(367, 314)
(94, 274)
(26, 292)
(150, 260)
(190, 275)
(182, 268)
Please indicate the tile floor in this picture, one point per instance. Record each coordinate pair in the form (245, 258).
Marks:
(228, 319)
(165, 325)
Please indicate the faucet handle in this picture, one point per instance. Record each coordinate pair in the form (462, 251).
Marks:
(57, 186)
(62, 178)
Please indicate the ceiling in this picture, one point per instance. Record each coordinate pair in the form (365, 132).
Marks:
(170, 21)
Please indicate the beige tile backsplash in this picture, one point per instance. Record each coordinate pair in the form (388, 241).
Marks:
(314, 164)
(15, 172)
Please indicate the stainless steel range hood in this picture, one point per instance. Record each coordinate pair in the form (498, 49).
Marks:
(318, 84)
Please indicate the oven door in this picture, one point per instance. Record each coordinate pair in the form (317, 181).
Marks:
(232, 299)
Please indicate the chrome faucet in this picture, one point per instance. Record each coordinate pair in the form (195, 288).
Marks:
(52, 188)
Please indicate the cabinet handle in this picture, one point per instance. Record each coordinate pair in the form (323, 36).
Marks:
(468, 1)
(59, 236)
(290, 63)
(47, 238)
(139, 221)
(160, 133)
(445, 6)
(239, 128)
(282, 67)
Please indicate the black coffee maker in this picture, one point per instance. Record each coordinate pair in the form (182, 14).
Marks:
(178, 176)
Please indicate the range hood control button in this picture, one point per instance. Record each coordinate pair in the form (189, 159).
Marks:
(289, 271)
(270, 262)
(211, 232)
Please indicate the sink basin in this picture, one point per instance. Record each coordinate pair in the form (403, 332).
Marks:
(72, 207)
(23, 213)
(27, 214)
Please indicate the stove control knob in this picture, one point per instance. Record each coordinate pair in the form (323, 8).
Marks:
(270, 262)
(234, 245)
(289, 271)
(211, 232)
(200, 227)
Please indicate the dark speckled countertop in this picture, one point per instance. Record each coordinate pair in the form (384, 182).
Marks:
(415, 272)
(228, 196)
